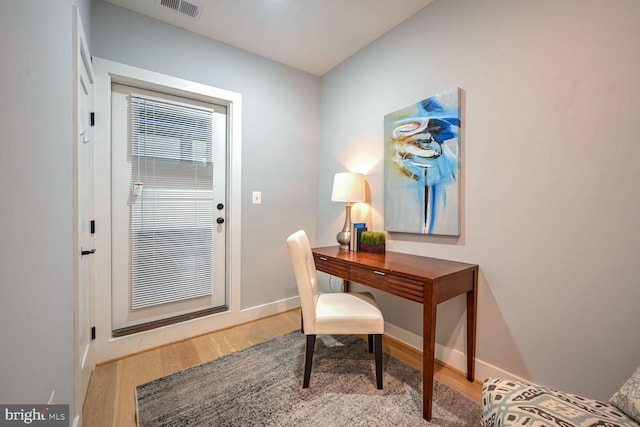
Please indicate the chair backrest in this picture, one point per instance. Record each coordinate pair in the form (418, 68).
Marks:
(304, 269)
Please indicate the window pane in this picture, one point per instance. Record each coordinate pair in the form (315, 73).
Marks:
(171, 202)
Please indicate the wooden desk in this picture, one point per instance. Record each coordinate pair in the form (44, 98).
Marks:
(428, 281)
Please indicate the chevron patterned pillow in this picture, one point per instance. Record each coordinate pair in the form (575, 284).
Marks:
(627, 399)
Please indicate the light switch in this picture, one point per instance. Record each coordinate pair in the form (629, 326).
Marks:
(256, 197)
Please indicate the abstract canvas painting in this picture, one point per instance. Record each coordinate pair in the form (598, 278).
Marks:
(422, 166)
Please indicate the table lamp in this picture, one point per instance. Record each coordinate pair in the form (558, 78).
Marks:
(347, 187)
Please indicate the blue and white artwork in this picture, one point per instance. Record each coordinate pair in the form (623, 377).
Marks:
(422, 167)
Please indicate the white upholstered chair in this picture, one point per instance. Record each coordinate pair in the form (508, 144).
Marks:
(332, 313)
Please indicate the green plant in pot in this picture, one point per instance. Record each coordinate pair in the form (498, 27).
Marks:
(373, 241)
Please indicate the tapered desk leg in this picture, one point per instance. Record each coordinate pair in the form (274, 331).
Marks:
(428, 350)
(472, 312)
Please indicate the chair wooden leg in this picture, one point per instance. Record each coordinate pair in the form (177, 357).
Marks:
(378, 356)
(370, 340)
(311, 342)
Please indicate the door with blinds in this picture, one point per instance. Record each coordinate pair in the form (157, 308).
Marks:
(168, 208)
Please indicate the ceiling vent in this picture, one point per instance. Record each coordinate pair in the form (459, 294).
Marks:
(188, 8)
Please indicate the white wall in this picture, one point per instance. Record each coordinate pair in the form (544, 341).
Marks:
(36, 189)
(549, 171)
(280, 133)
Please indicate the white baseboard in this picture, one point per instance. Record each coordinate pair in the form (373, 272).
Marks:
(114, 348)
(449, 356)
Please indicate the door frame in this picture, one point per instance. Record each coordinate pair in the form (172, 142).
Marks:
(107, 347)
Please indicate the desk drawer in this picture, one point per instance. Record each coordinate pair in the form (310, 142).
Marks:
(333, 268)
(389, 282)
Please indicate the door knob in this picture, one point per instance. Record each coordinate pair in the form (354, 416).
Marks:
(220, 220)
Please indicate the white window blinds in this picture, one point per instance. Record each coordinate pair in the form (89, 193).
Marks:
(171, 201)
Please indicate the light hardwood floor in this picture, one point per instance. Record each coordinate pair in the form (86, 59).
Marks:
(110, 399)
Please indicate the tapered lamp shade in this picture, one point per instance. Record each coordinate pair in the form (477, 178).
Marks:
(348, 187)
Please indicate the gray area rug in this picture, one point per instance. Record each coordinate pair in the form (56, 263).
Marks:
(262, 386)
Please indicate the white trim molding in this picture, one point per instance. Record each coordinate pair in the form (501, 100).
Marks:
(449, 356)
(108, 348)
(116, 348)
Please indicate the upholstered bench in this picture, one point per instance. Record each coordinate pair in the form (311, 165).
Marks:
(512, 403)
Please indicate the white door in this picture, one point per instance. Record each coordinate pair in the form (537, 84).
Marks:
(168, 183)
(84, 360)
